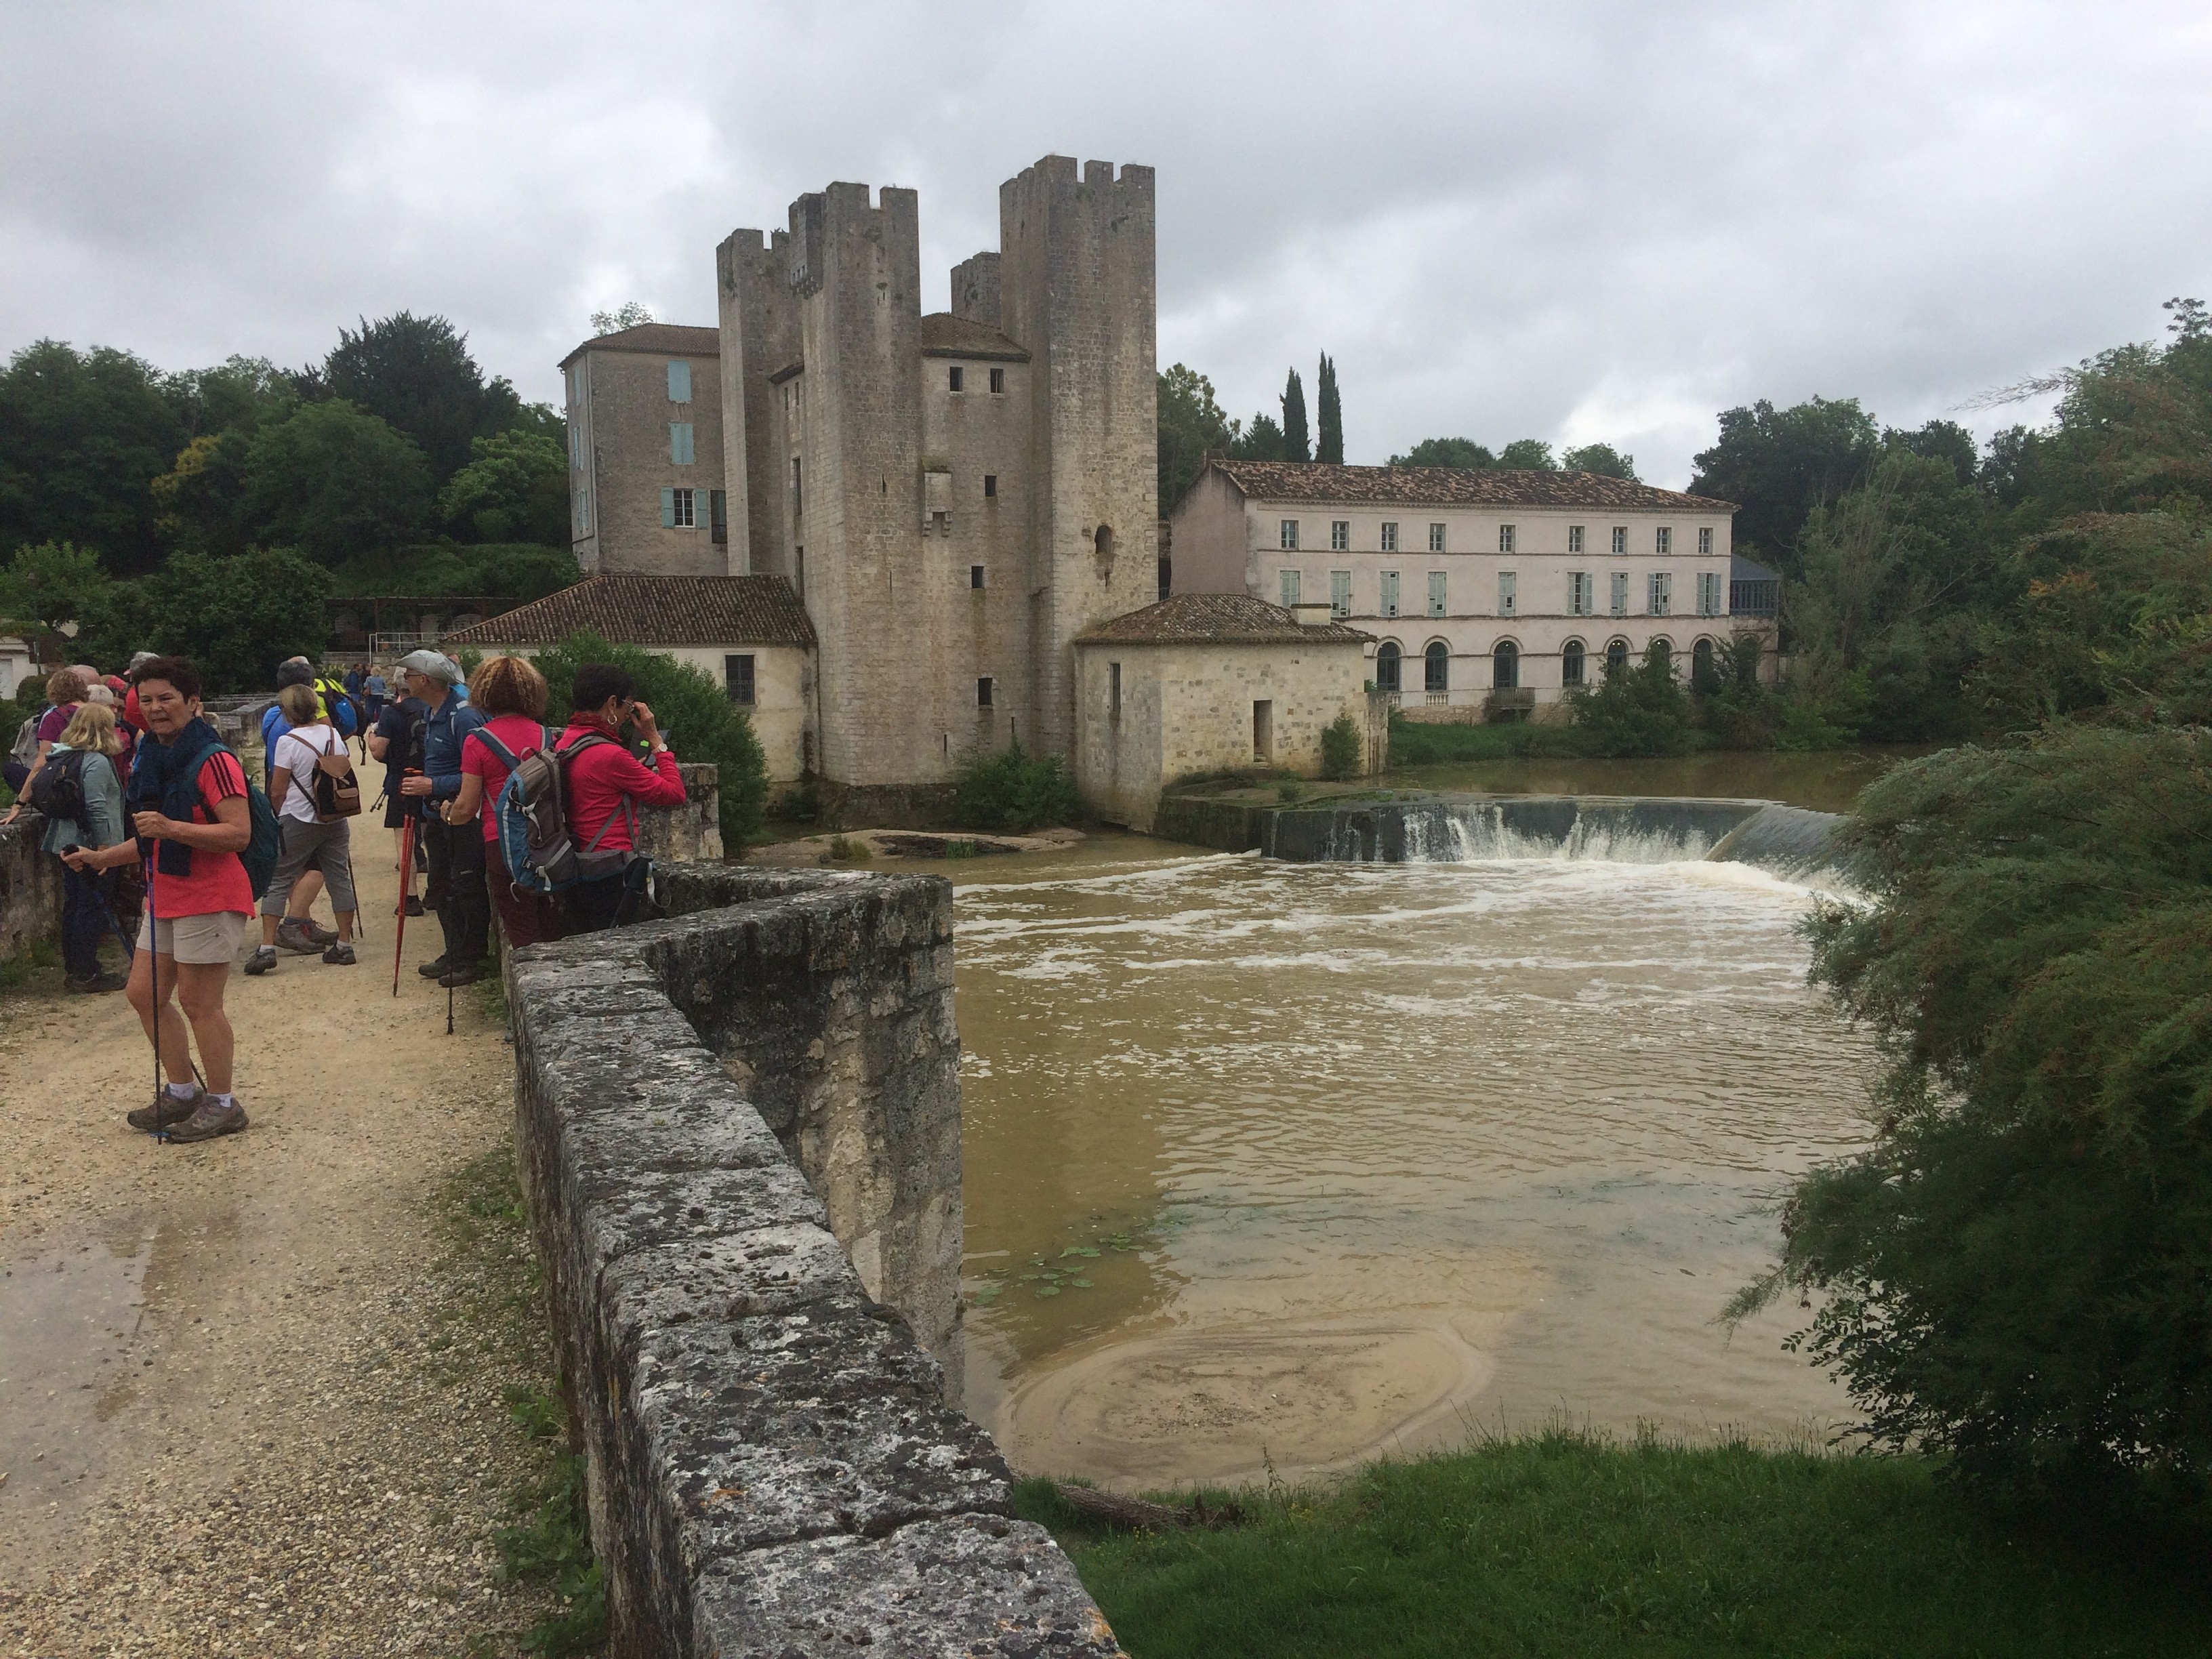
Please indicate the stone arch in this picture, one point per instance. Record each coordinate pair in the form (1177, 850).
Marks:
(1436, 666)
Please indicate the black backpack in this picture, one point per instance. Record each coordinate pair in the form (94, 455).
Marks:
(58, 790)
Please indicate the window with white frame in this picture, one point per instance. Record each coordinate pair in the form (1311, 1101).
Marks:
(1340, 536)
(1389, 595)
(1339, 593)
(1289, 535)
(1582, 597)
(1659, 592)
(1574, 538)
(1709, 592)
(1435, 538)
(1389, 539)
(1619, 539)
(1662, 540)
(1619, 595)
(1704, 541)
(1505, 538)
(678, 508)
(1436, 593)
(1290, 586)
(1507, 585)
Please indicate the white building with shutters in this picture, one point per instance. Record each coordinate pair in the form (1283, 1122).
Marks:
(1490, 594)
(646, 495)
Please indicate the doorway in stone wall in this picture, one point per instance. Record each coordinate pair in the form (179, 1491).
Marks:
(1263, 732)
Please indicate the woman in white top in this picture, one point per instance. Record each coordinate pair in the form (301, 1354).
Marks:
(309, 841)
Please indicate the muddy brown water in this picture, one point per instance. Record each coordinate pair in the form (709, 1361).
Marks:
(1289, 1166)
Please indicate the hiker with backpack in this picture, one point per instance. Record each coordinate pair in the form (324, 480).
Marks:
(454, 851)
(603, 784)
(80, 790)
(65, 689)
(316, 796)
(197, 822)
(510, 693)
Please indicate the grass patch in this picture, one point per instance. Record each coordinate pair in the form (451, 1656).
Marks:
(34, 969)
(545, 1544)
(1421, 743)
(1566, 1544)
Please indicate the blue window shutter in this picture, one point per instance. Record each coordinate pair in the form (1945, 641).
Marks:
(668, 507)
(679, 442)
(679, 383)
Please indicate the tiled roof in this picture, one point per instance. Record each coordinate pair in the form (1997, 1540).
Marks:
(1216, 618)
(655, 610)
(656, 339)
(944, 335)
(1452, 486)
(1741, 569)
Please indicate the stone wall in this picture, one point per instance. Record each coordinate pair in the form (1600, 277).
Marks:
(30, 885)
(738, 1131)
(693, 831)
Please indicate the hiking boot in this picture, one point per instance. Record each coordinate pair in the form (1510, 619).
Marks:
(468, 975)
(165, 1110)
(340, 955)
(436, 968)
(263, 959)
(323, 936)
(414, 906)
(293, 934)
(210, 1119)
(93, 983)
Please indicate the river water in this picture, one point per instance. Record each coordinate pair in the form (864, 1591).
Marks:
(1291, 1166)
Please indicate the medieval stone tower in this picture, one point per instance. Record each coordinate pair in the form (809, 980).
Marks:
(955, 496)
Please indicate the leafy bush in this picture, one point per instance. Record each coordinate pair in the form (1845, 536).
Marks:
(236, 618)
(696, 714)
(1340, 749)
(2015, 1271)
(1012, 792)
(1641, 709)
(508, 570)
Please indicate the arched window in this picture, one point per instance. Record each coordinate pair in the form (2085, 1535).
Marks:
(1616, 655)
(1390, 667)
(1102, 540)
(1665, 647)
(1504, 664)
(1705, 675)
(1570, 663)
(1436, 667)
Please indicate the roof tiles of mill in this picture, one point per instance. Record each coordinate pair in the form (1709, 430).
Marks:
(1216, 619)
(1451, 486)
(657, 340)
(944, 335)
(656, 610)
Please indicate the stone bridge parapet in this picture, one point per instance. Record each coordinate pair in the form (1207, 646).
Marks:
(738, 1131)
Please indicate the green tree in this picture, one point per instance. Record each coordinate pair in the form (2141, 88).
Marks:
(1191, 426)
(631, 313)
(336, 482)
(1777, 466)
(199, 503)
(416, 375)
(1340, 749)
(1528, 454)
(2013, 1274)
(46, 585)
(1600, 459)
(236, 618)
(1329, 446)
(1639, 710)
(1297, 446)
(82, 436)
(516, 489)
(1461, 452)
(1012, 792)
(1261, 439)
(696, 714)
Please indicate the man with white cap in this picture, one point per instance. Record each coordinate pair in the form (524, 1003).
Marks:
(454, 852)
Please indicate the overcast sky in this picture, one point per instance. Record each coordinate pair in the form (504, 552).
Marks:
(1571, 221)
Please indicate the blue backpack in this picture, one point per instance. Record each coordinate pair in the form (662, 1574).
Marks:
(531, 818)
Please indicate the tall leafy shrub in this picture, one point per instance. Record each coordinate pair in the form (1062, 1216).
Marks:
(1012, 791)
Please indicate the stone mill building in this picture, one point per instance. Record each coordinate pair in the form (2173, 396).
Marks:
(955, 499)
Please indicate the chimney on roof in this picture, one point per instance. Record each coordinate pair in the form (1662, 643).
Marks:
(1311, 614)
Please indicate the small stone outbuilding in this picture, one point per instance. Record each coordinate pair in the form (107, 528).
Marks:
(1203, 684)
(749, 634)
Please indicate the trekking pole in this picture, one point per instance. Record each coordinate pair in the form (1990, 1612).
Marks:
(406, 886)
(153, 951)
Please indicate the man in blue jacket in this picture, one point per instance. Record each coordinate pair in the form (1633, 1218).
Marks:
(453, 852)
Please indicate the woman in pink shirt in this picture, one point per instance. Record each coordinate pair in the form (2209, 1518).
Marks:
(511, 693)
(607, 784)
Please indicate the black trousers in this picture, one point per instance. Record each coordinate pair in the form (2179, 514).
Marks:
(454, 855)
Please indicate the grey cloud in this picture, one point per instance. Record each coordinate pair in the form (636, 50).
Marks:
(1577, 221)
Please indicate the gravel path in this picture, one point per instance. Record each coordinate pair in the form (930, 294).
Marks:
(251, 1391)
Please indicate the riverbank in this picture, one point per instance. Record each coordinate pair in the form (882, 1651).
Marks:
(1562, 1544)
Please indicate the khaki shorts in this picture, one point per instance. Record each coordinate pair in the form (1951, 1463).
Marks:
(195, 940)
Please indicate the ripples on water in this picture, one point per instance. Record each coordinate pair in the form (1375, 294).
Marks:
(1372, 1154)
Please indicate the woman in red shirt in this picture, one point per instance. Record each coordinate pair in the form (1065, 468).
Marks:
(606, 785)
(511, 693)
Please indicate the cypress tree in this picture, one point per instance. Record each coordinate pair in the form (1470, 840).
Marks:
(1330, 447)
(1296, 445)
